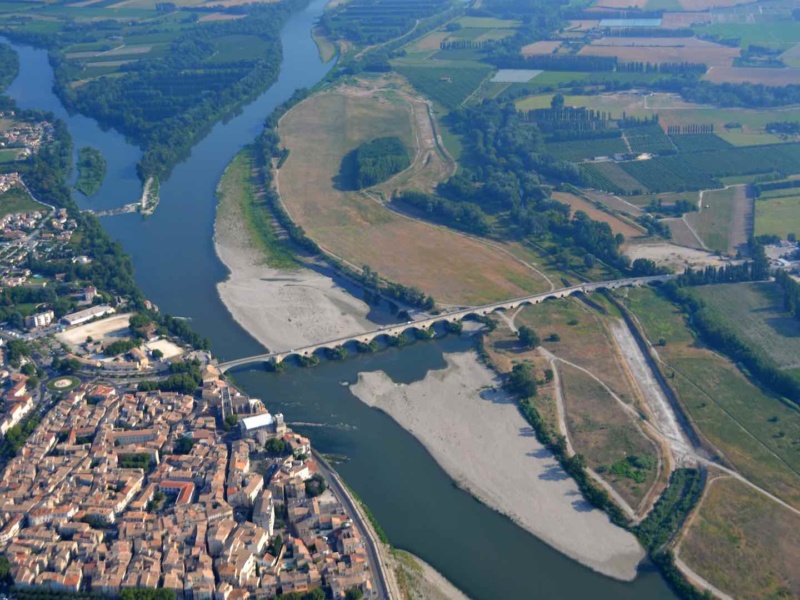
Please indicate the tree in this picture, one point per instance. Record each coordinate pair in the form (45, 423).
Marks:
(522, 380)
(184, 445)
(275, 447)
(157, 354)
(231, 421)
(557, 103)
(528, 337)
(5, 570)
(792, 237)
(353, 593)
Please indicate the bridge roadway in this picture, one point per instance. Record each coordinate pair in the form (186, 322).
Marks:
(451, 317)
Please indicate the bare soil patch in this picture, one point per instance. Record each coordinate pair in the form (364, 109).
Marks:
(617, 225)
(319, 132)
(744, 543)
(543, 47)
(700, 5)
(677, 257)
(768, 77)
(663, 50)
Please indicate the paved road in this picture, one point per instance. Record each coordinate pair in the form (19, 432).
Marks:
(373, 553)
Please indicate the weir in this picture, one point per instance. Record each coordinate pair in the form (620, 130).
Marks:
(450, 317)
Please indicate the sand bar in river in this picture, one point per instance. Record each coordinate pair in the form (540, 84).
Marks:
(475, 432)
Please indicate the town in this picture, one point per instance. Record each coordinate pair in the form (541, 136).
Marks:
(208, 496)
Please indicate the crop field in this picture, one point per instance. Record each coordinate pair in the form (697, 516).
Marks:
(446, 85)
(544, 47)
(778, 216)
(319, 132)
(744, 543)
(614, 202)
(609, 176)
(577, 150)
(702, 170)
(487, 23)
(379, 21)
(657, 51)
(643, 200)
(755, 75)
(754, 431)
(648, 138)
(755, 311)
(617, 225)
(777, 34)
(699, 142)
(663, 175)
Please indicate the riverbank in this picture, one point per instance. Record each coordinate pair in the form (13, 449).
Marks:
(281, 308)
(475, 432)
(420, 581)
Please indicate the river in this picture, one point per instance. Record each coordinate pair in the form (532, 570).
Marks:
(417, 504)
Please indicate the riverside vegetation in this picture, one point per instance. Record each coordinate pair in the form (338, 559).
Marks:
(91, 171)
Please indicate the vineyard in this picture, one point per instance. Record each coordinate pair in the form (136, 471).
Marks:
(577, 150)
(610, 177)
(648, 138)
(699, 142)
(672, 173)
(447, 85)
(372, 22)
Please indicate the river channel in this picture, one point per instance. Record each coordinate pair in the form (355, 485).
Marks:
(417, 504)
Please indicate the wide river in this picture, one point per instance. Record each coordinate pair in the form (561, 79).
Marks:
(417, 504)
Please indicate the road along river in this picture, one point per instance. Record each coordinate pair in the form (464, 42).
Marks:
(482, 552)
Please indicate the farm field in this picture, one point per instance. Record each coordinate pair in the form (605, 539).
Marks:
(319, 132)
(778, 216)
(17, 200)
(744, 543)
(577, 150)
(716, 221)
(449, 85)
(672, 111)
(617, 225)
(769, 77)
(662, 50)
(609, 176)
(755, 311)
(778, 34)
(752, 430)
(544, 47)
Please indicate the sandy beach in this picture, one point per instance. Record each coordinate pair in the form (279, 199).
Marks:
(281, 309)
(475, 432)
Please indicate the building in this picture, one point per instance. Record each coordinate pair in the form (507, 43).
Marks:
(83, 316)
(250, 426)
(42, 319)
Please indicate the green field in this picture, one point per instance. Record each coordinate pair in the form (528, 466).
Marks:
(487, 23)
(778, 216)
(449, 86)
(8, 155)
(611, 177)
(17, 200)
(755, 311)
(713, 222)
(577, 150)
(232, 48)
(755, 432)
(775, 34)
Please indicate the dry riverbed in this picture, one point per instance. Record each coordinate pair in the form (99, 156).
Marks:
(282, 309)
(475, 432)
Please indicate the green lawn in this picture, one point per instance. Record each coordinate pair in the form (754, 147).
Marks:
(8, 155)
(778, 216)
(17, 200)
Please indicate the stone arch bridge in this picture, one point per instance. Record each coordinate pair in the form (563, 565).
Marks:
(448, 317)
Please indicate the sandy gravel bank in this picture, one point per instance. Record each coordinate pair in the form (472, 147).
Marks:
(281, 309)
(422, 581)
(477, 435)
